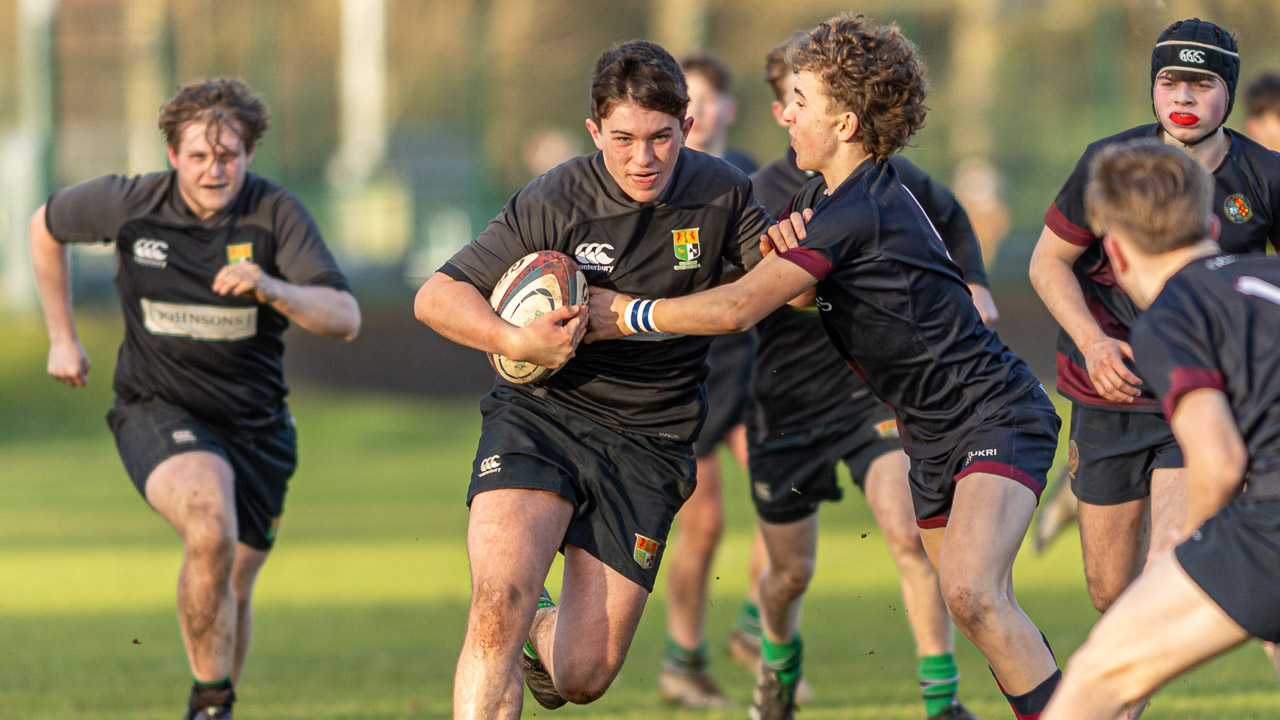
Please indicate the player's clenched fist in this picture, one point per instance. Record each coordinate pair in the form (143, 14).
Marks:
(248, 279)
(69, 363)
(550, 340)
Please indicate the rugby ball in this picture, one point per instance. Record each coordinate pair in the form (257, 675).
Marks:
(537, 284)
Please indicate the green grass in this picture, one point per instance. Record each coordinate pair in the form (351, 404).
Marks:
(360, 610)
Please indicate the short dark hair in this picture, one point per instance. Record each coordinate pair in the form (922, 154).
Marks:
(215, 101)
(776, 67)
(1263, 95)
(870, 70)
(643, 73)
(709, 67)
(1154, 193)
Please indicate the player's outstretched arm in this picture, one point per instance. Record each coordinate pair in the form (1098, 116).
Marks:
(1215, 453)
(68, 363)
(721, 310)
(322, 310)
(459, 312)
(1057, 286)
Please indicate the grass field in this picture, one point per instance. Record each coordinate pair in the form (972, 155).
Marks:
(360, 610)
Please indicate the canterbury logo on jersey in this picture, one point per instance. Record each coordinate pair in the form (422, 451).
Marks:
(150, 252)
(594, 256)
(490, 465)
(1193, 56)
(200, 322)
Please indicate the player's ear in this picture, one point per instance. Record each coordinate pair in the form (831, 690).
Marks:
(778, 108)
(173, 156)
(595, 134)
(1215, 227)
(685, 126)
(847, 127)
(1115, 252)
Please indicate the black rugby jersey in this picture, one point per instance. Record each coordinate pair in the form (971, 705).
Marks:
(1246, 199)
(799, 380)
(898, 310)
(220, 358)
(1216, 324)
(675, 246)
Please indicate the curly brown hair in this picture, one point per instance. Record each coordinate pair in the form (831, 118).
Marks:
(215, 101)
(871, 71)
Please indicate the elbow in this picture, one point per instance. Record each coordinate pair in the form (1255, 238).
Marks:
(738, 317)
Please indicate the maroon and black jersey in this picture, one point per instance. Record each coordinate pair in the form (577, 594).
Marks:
(799, 380)
(898, 310)
(220, 358)
(648, 383)
(1247, 202)
(1216, 324)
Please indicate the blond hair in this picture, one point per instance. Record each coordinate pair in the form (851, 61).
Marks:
(1152, 193)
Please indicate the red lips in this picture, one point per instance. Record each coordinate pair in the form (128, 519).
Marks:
(1184, 118)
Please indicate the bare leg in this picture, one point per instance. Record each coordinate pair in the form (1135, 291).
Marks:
(1134, 649)
(195, 492)
(512, 537)
(989, 519)
(889, 496)
(792, 548)
(244, 574)
(699, 525)
(1114, 541)
(584, 641)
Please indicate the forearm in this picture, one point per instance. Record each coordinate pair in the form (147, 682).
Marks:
(1209, 489)
(1056, 284)
(321, 310)
(460, 313)
(51, 263)
(737, 306)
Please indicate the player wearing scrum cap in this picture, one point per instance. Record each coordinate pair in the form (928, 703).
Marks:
(1206, 342)
(1126, 464)
(595, 460)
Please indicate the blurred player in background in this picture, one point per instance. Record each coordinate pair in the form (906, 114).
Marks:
(1126, 466)
(595, 460)
(212, 264)
(684, 678)
(802, 424)
(1262, 110)
(979, 429)
(1207, 343)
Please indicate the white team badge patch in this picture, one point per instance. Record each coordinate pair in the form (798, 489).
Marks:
(151, 252)
(490, 465)
(181, 437)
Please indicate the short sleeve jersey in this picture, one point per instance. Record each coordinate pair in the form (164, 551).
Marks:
(220, 358)
(674, 246)
(897, 309)
(799, 380)
(1216, 324)
(1246, 201)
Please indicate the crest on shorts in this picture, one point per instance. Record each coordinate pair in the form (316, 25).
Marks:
(687, 249)
(646, 552)
(275, 527)
(1073, 458)
(1237, 209)
(887, 429)
(240, 252)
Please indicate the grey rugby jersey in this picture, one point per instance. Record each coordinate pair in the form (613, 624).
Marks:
(219, 358)
(671, 247)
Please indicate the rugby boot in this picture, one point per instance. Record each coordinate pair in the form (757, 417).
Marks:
(954, 711)
(772, 699)
(541, 686)
(692, 688)
(744, 649)
(212, 712)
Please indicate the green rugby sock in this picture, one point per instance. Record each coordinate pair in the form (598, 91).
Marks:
(749, 619)
(784, 658)
(939, 682)
(685, 660)
(529, 652)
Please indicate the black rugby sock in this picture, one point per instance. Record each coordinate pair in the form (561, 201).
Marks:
(205, 694)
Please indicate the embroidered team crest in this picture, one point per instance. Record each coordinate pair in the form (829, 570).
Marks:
(1073, 458)
(240, 252)
(646, 552)
(687, 249)
(887, 429)
(275, 527)
(1237, 208)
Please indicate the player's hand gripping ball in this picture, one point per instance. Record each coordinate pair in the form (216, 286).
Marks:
(537, 284)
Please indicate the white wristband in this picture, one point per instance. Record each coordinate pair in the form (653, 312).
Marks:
(638, 316)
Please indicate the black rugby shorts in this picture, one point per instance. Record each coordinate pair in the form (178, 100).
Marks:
(1113, 453)
(152, 431)
(626, 488)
